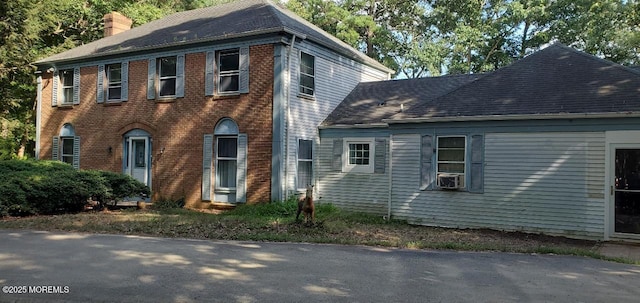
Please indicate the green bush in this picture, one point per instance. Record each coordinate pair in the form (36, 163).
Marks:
(49, 187)
(166, 203)
(122, 185)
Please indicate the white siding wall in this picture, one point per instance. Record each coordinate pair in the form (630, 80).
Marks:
(535, 182)
(362, 192)
(335, 78)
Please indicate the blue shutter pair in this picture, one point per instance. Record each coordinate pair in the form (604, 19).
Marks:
(380, 155)
(55, 151)
(476, 163)
(207, 168)
(102, 77)
(210, 72)
(152, 75)
(56, 87)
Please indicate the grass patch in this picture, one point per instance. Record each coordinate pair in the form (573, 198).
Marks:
(276, 222)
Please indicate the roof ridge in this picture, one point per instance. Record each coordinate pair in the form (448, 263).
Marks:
(454, 89)
(598, 59)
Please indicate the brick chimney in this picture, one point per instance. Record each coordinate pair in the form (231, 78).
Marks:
(115, 23)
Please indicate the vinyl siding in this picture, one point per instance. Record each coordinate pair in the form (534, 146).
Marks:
(363, 192)
(335, 77)
(534, 182)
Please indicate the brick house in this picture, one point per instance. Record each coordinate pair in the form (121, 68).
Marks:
(217, 105)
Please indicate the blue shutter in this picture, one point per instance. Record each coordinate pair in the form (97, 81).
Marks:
(56, 83)
(180, 77)
(426, 163)
(76, 152)
(241, 176)
(477, 164)
(55, 148)
(207, 159)
(76, 86)
(151, 79)
(380, 156)
(125, 81)
(100, 86)
(209, 86)
(244, 70)
(336, 163)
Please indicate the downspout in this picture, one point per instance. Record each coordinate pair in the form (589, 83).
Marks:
(287, 118)
(390, 176)
(38, 112)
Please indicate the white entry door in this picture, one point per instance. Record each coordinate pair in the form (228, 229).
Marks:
(138, 158)
(625, 188)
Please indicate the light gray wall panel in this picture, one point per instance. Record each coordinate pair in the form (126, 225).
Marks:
(334, 80)
(363, 192)
(535, 182)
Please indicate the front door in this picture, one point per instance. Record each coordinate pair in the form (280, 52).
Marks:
(138, 159)
(625, 188)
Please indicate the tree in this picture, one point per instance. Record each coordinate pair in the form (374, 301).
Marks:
(31, 30)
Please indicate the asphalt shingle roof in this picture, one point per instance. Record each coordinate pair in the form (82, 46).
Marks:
(371, 102)
(227, 21)
(556, 80)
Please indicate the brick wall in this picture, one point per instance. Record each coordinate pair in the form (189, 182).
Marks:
(177, 126)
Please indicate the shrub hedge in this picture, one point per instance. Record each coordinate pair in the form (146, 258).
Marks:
(29, 187)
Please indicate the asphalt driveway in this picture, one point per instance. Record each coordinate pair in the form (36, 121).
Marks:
(73, 267)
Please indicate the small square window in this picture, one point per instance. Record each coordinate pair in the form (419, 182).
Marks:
(358, 155)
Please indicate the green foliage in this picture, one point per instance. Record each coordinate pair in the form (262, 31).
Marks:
(49, 187)
(168, 204)
(432, 37)
(122, 185)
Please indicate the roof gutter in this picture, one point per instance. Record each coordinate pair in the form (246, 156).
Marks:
(513, 117)
(345, 126)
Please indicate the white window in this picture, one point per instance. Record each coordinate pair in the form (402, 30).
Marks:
(167, 72)
(66, 149)
(66, 86)
(450, 156)
(228, 71)
(226, 162)
(305, 163)
(114, 81)
(66, 146)
(307, 74)
(358, 155)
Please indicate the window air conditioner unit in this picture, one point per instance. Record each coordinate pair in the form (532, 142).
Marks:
(449, 181)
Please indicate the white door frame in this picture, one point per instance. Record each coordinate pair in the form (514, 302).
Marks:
(131, 158)
(614, 140)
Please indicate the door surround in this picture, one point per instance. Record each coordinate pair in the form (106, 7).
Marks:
(613, 140)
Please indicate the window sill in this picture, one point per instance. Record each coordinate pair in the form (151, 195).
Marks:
(65, 105)
(224, 190)
(306, 97)
(226, 96)
(113, 103)
(166, 100)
